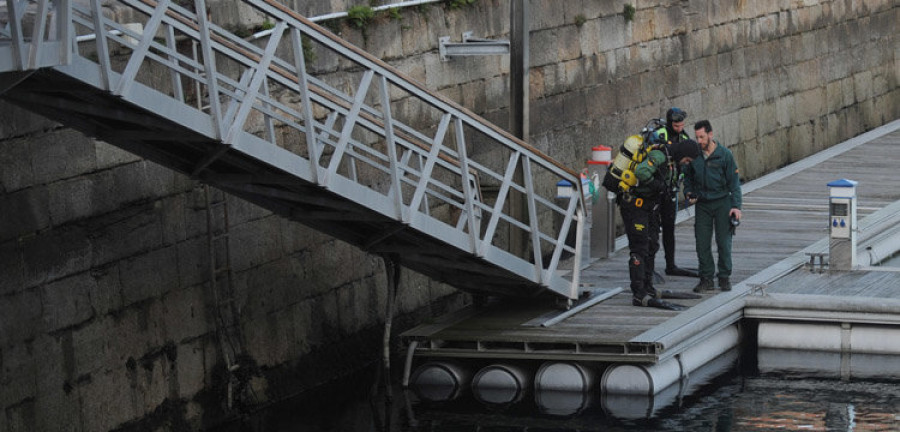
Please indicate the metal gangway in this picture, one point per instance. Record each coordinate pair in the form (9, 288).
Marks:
(308, 126)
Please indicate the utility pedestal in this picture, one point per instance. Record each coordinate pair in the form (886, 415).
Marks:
(842, 224)
(603, 207)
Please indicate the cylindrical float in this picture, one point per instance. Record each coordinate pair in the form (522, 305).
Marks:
(500, 384)
(439, 381)
(649, 380)
(563, 388)
(829, 349)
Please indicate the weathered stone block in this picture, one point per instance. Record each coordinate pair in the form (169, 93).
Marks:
(643, 28)
(749, 121)
(190, 369)
(600, 101)
(15, 158)
(25, 212)
(16, 122)
(612, 32)
(810, 104)
(108, 156)
(110, 402)
(692, 76)
(767, 119)
(752, 159)
(259, 242)
(801, 141)
(497, 93)
(139, 224)
(71, 199)
(72, 254)
(727, 129)
(569, 43)
(776, 146)
(11, 267)
(21, 416)
(862, 85)
(57, 407)
(22, 317)
(386, 42)
(547, 15)
(756, 89)
(193, 261)
(67, 302)
(185, 312)
(652, 86)
(62, 155)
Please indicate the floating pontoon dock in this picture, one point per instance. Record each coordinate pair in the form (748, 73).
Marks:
(782, 278)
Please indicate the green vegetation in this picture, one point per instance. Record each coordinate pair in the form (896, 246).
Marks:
(360, 16)
(394, 14)
(457, 4)
(629, 12)
(309, 54)
(580, 19)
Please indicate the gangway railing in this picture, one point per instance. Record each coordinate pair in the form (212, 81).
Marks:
(309, 126)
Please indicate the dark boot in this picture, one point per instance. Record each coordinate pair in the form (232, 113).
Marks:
(705, 285)
(724, 284)
(637, 270)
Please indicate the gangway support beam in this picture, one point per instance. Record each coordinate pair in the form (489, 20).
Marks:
(471, 46)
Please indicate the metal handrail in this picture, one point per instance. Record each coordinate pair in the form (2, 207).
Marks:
(349, 123)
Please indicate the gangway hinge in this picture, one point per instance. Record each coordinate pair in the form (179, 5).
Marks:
(471, 46)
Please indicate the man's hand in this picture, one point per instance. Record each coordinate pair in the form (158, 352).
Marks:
(736, 213)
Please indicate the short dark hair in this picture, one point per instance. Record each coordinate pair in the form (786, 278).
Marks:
(687, 148)
(675, 115)
(703, 124)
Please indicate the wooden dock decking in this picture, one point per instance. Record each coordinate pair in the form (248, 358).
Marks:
(785, 213)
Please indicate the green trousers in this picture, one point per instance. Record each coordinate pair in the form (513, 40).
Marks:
(712, 216)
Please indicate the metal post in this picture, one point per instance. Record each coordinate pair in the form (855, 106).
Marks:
(518, 103)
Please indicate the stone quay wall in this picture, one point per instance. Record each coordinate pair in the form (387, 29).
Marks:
(108, 318)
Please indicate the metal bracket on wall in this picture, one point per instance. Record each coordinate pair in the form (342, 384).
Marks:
(471, 46)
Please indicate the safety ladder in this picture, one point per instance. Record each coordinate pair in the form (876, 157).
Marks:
(227, 310)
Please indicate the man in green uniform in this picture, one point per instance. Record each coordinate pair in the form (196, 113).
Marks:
(712, 182)
(672, 134)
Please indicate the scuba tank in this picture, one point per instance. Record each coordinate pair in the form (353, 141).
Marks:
(630, 154)
(620, 175)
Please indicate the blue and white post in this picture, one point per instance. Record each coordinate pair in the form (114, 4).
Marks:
(842, 224)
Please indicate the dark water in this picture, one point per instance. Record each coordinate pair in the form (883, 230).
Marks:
(734, 401)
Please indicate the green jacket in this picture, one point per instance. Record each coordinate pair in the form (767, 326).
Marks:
(714, 177)
(649, 172)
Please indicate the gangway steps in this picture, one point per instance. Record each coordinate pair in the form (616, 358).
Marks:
(337, 158)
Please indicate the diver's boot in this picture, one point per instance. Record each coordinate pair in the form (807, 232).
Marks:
(724, 284)
(704, 286)
(662, 304)
(670, 294)
(678, 271)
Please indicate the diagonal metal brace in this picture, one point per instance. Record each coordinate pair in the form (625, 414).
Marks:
(471, 46)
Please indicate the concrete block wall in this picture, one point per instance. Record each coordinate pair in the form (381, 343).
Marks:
(108, 319)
